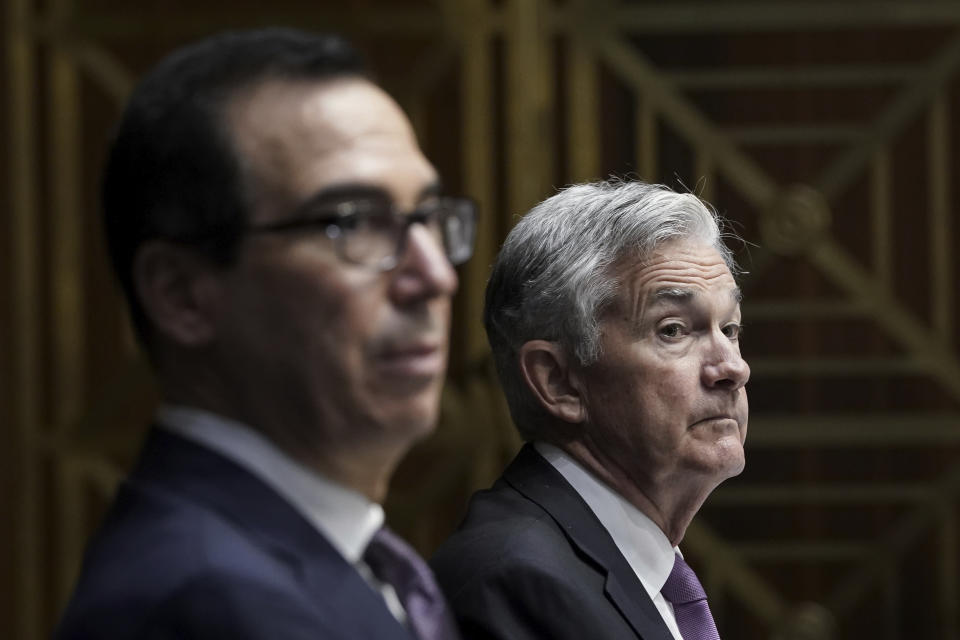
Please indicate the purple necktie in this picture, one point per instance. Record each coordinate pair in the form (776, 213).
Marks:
(689, 601)
(394, 562)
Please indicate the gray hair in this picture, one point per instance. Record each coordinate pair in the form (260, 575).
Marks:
(553, 275)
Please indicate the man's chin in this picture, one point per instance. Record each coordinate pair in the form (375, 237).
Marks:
(731, 458)
(725, 459)
(736, 469)
(411, 419)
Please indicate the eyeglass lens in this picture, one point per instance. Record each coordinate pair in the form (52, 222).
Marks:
(377, 239)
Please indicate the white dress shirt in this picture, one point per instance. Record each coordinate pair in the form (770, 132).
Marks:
(344, 517)
(642, 543)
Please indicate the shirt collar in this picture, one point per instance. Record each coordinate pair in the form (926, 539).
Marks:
(345, 517)
(642, 543)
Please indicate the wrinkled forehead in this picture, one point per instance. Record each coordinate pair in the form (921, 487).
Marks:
(677, 270)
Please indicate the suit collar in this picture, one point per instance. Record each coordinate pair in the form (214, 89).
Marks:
(344, 516)
(642, 543)
(536, 479)
(192, 472)
(186, 471)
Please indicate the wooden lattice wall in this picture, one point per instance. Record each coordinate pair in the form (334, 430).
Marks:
(825, 131)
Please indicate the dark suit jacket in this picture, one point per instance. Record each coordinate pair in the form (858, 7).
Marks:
(531, 560)
(194, 546)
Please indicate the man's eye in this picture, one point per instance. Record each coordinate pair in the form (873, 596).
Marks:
(351, 222)
(358, 207)
(672, 330)
(733, 330)
(363, 219)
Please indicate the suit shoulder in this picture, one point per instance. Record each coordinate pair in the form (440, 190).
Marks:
(505, 534)
(150, 549)
(221, 605)
(163, 533)
(208, 605)
(513, 573)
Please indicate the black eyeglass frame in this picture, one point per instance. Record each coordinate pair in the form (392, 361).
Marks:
(334, 228)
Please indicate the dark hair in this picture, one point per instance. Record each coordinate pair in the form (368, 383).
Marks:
(172, 172)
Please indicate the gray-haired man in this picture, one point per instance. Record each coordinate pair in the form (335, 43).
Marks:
(614, 319)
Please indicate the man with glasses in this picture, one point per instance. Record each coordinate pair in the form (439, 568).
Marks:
(287, 258)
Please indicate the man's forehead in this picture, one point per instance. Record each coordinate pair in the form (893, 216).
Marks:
(677, 272)
(345, 108)
(299, 137)
(678, 262)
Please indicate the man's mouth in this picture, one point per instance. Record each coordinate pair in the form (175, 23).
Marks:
(719, 422)
(415, 360)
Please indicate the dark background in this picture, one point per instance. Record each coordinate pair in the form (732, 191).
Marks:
(824, 131)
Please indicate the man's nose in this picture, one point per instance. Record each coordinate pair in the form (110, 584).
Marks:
(424, 271)
(724, 367)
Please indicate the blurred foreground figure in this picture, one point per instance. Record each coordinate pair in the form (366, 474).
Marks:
(287, 259)
(614, 319)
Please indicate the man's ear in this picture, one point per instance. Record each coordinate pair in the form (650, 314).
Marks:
(547, 371)
(178, 290)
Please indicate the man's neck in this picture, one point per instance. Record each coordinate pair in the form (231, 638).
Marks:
(365, 467)
(341, 513)
(669, 503)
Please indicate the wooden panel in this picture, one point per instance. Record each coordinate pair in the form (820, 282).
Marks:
(824, 131)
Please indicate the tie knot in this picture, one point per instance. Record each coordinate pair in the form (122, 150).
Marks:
(393, 561)
(682, 586)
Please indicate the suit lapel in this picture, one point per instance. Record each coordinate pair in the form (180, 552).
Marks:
(190, 472)
(536, 479)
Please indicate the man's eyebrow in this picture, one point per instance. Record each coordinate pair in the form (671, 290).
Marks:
(345, 191)
(679, 294)
(349, 190)
(673, 294)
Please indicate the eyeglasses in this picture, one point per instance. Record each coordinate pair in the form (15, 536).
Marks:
(371, 231)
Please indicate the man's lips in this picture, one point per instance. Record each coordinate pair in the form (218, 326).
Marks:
(719, 421)
(415, 360)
